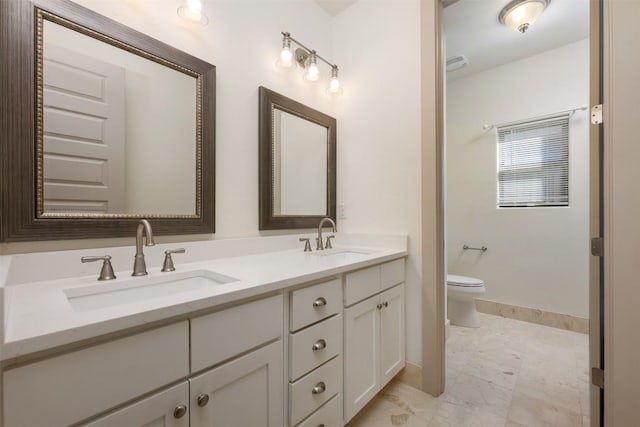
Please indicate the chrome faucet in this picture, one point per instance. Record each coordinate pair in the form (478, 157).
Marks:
(319, 245)
(139, 266)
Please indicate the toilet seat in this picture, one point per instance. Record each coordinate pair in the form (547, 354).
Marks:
(463, 281)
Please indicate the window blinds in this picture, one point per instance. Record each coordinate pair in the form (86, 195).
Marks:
(533, 163)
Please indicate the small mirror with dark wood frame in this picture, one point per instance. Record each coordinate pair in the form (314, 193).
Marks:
(102, 125)
(297, 163)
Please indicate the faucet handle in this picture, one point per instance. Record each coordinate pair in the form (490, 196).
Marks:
(168, 260)
(328, 244)
(307, 243)
(106, 273)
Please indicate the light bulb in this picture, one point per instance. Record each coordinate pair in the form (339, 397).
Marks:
(192, 10)
(334, 84)
(286, 56)
(313, 73)
(195, 6)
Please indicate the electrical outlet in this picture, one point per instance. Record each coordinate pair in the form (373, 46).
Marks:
(342, 211)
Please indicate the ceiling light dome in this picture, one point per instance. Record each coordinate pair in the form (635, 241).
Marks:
(521, 14)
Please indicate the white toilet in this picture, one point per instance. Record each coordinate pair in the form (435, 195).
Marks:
(461, 294)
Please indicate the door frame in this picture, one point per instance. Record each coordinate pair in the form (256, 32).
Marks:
(433, 244)
(432, 203)
(596, 210)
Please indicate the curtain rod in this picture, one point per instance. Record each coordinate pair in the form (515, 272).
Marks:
(546, 116)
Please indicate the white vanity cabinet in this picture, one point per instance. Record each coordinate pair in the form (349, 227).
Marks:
(236, 376)
(374, 332)
(244, 390)
(74, 386)
(315, 355)
(298, 355)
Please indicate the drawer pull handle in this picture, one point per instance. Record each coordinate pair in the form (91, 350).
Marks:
(319, 388)
(319, 345)
(320, 302)
(320, 425)
(202, 400)
(180, 411)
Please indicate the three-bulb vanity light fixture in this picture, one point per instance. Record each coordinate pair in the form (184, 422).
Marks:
(191, 10)
(308, 60)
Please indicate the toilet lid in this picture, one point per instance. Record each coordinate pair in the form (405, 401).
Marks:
(465, 281)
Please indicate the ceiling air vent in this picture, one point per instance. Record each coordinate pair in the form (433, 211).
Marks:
(457, 62)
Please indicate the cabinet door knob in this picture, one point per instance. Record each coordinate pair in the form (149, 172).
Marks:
(319, 388)
(180, 411)
(379, 306)
(386, 304)
(202, 400)
(319, 345)
(320, 302)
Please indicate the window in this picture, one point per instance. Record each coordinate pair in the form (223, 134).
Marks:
(533, 163)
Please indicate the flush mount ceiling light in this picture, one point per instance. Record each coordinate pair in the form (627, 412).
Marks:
(521, 14)
(191, 10)
(308, 60)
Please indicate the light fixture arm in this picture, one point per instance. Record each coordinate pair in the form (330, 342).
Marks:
(288, 35)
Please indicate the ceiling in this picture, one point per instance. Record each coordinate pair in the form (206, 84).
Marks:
(334, 7)
(472, 29)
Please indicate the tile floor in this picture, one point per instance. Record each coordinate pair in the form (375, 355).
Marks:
(507, 373)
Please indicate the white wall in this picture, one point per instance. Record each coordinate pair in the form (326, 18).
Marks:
(377, 46)
(537, 257)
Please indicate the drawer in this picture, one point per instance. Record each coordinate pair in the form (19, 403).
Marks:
(71, 387)
(314, 303)
(313, 346)
(391, 273)
(222, 335)
(302, 399)
(361, 284)
(329, 415)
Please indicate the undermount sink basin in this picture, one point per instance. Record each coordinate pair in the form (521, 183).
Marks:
(105, 294)
(343, 253)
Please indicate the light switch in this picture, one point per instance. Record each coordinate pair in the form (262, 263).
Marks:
(342, 211)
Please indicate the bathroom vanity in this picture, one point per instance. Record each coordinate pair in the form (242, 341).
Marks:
(249, 332)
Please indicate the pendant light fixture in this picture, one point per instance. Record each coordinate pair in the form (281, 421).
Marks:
(521, 14)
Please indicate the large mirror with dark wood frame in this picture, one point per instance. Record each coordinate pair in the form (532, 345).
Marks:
(297, 163)
(113, 126)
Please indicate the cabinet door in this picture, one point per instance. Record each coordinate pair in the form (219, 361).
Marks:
(392, 335)
(361, 348)
(160, 410)
(243, 392)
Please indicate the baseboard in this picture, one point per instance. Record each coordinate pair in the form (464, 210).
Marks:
(411, 375)
(534, 315)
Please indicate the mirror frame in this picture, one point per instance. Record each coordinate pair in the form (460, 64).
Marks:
(268, 101)
(20, 151)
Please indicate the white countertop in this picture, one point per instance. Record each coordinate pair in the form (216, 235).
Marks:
(38, 315)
